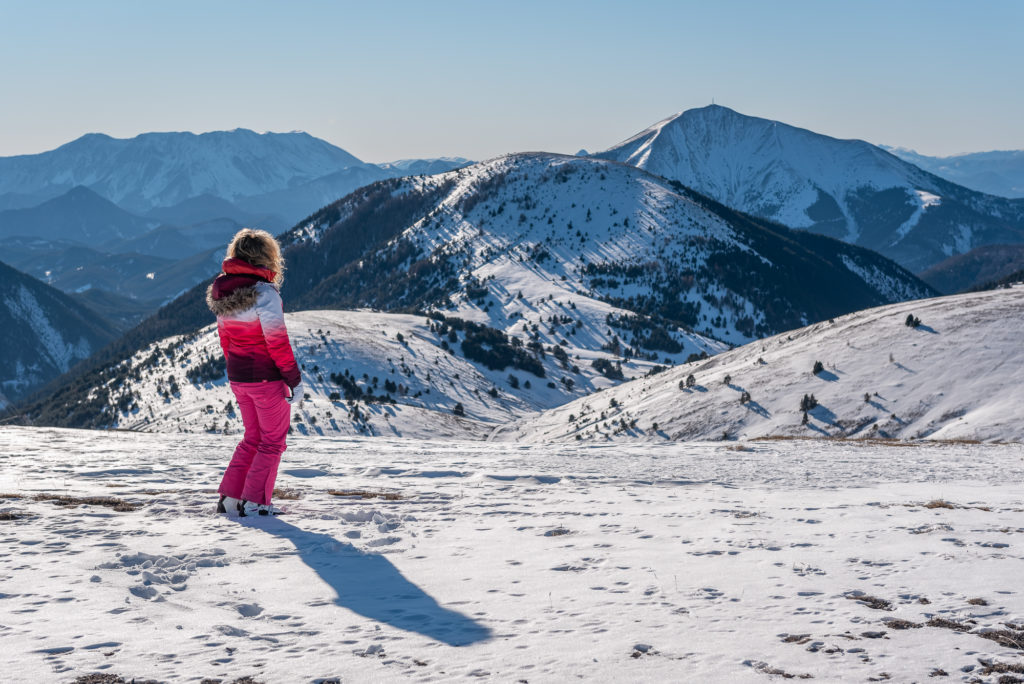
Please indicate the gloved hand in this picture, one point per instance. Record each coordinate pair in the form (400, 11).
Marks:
(297, 394)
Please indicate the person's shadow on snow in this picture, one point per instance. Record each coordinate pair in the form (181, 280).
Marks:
(370, 585)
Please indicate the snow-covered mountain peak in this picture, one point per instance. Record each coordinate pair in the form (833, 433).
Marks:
(717, 148)
(847, 189)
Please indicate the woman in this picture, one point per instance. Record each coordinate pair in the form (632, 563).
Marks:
(260, 363)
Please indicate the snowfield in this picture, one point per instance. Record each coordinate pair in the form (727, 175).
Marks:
(958, 375)
(742, 561)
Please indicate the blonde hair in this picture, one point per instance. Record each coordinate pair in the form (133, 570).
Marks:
(259, 248)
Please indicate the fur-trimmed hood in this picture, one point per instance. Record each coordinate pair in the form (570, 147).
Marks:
(239, 299)
(234, 290)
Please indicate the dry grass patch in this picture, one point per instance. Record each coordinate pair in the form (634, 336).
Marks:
(10, 496)
(287, 494)
(871, 601)
(119, 505)
(948, 505)
(949, 624)
(11, 515)
(977, 602)
(782, 438)
(365, 494)
(879, 441)
(992, 667)
(767, 669)
(108, 678)
(899, 623)
(1009, 638)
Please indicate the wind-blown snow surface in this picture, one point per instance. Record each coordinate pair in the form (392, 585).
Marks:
(691, 562)
(959, 375)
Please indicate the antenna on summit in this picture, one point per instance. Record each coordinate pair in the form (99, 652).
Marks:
(712, 100)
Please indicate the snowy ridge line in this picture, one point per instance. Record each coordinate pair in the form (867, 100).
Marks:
(956, 376)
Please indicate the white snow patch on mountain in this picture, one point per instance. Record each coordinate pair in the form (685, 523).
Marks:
(894, 289)
(60, 352)
(925, 199)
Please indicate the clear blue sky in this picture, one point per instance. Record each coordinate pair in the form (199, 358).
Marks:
(390, 79)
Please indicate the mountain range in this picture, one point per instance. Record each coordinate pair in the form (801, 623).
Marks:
(999, 172)
(847, 189)
(131, 217)
(578, 272)
(164, 169)
(584, 271)
(187, 178)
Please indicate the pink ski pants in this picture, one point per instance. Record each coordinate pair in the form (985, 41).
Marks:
(265, 414)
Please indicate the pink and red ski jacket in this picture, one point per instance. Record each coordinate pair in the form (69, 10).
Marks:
(250, 320)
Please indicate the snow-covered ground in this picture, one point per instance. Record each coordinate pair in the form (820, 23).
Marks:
(958, 375)
(678, 562)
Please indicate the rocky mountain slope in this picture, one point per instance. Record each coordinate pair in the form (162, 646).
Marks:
(957, 374)
(43, 333)
(848, 189)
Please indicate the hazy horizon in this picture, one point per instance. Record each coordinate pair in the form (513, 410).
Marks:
(477, 80)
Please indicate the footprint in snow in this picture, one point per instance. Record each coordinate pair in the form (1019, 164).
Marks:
(384, 541)
(249, 609)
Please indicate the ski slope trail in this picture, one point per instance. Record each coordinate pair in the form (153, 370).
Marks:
(680, 562)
